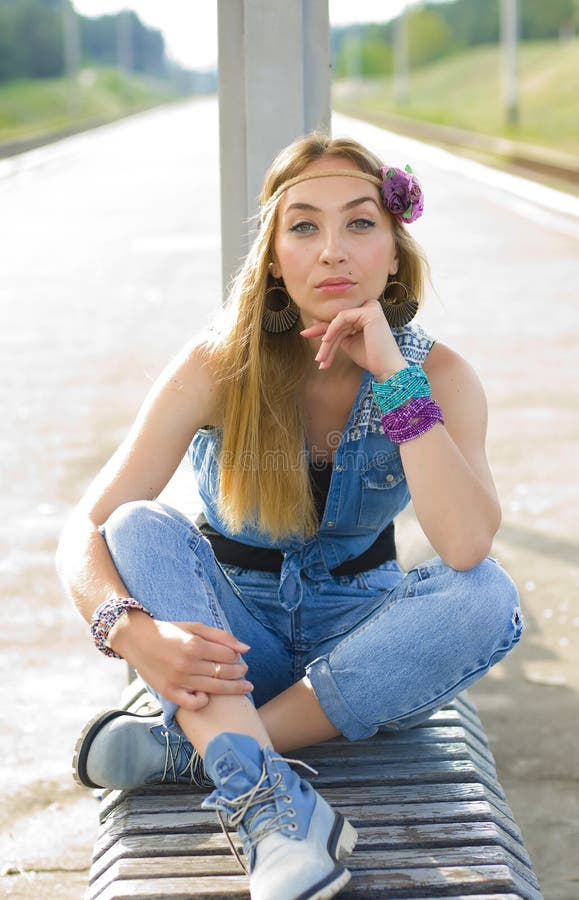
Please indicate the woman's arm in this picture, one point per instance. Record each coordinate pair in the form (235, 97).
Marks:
(446, 467)
(172, 657)
(180, 401)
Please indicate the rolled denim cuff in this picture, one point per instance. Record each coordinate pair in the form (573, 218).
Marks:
(334, 705)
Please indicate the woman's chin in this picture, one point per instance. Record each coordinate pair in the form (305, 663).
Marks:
(336, 305)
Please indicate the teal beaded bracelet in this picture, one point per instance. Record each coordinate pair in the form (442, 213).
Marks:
(401, 387)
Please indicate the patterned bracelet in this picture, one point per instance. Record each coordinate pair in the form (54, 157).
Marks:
(400, 387)
(105, 616)
(410, 421)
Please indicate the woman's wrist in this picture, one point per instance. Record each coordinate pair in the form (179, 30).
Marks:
(107, 619)
(121, 635)
(391, 363)
(385, 374)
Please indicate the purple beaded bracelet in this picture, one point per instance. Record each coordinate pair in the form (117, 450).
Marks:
(410, 421)
(105, 616)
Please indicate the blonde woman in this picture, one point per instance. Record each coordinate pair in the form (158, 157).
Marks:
(312, 412)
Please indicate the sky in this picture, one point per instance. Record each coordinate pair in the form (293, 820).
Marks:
(190, 26)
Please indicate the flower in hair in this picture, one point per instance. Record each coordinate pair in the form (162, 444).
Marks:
(402, 194)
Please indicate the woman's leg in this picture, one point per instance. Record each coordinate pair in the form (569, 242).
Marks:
(436, 633)
(293, 840)
(170, 568)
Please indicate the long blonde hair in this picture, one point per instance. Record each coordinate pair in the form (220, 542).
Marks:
(264, 470)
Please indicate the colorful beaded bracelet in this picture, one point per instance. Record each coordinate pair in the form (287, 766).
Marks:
(410, 421)
(400, 387)
(105, 616)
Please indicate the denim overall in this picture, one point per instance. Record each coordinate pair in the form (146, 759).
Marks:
(381, 648)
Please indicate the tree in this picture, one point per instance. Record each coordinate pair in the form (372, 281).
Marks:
(541, 21)
(31, 40)
(429, 36)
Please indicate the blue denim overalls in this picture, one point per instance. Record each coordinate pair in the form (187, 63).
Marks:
(380, 648)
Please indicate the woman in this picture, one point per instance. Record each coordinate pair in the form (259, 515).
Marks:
(312, 412)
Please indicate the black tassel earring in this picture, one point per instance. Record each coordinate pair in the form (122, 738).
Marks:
(280, 313)
(400, 306)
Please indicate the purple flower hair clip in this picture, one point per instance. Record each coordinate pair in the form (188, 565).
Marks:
(402, 194)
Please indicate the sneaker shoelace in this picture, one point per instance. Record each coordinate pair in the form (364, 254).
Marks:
(194, 767)
(260, 797)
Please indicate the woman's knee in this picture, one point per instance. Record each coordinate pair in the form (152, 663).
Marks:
(139, 522)
(497, 589)
(164, 561)
(488, 604)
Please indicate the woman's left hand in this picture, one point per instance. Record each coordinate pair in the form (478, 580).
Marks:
(364, 334)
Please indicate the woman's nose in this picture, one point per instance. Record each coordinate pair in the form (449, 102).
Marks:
(333, 249)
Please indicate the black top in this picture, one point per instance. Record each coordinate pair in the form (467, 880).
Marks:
(267, 559)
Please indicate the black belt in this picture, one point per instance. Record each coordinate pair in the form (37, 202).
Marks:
(265, 559)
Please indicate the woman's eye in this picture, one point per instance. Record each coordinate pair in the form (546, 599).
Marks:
(362, 224)
(302, 227)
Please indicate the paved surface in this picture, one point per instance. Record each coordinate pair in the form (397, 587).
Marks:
(110, 259)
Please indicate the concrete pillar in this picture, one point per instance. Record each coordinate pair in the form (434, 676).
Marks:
(72, 55)
(510, 38)
(401, 80)
(274, 85)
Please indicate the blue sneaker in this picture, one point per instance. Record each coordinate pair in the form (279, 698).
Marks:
(292, 839)
(123, 750)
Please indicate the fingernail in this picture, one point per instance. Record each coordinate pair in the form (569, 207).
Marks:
(243, 647)
(247, 685)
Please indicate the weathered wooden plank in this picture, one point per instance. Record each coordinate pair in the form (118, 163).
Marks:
(136, 865)
(172, 855)
(137, 868)
(233, 887)
(405, 773)
(426, 735)
(445, 881)
(460, 811)
(402, 883)
(421, 837)
(449, 716)
(388, 754)
(500, 896)
(374, 813)
(408, 794)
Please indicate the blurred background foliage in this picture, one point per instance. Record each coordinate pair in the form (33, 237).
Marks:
(454, 77)
(32, 41)
(452, 89)
(61, 72)
(437, 30)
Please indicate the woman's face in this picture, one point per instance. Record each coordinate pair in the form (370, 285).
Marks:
(334, 243)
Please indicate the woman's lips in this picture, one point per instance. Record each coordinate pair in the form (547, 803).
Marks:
(335, 286)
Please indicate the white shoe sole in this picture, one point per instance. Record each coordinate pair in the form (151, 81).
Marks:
(341, 843)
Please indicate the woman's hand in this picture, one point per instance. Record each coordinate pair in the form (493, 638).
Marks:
(184, 661)
(365, 335)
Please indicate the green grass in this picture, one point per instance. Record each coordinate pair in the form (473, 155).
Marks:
(36, 108)
(466, 90)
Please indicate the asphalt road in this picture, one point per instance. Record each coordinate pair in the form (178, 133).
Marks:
(110, 259)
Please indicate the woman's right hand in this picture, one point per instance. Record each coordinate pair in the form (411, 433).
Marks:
(185, 662)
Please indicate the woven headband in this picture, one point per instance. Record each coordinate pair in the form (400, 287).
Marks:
(323, 173)
(400, 189)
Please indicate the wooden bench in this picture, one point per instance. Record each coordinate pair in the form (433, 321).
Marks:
(431, 816)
